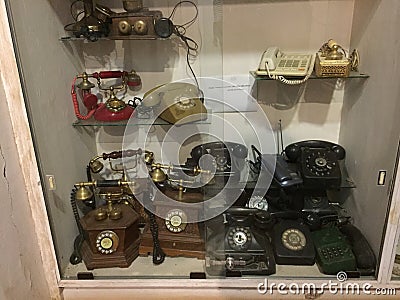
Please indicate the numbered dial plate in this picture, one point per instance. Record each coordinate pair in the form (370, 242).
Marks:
(294, 239)
(176, 220)
(239, 238)
(258, 202)
(107, 242)
(320, 164)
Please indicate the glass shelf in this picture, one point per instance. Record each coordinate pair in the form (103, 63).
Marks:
(120, 38)
(313, 76)
(140, 121)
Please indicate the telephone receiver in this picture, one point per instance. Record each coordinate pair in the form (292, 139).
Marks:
(319, 162)
(277, 165)
(177, 102)
(113, 109)
(276, 65)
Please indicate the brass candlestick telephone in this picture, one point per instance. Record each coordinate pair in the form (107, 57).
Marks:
(113, 109)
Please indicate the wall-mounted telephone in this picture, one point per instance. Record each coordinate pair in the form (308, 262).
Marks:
(113, 109)
(240, 247)
(292, 243)
(229, 157)
(277, 65)
(319, 162)
(177, 103)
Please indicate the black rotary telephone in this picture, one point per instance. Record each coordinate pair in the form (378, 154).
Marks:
(229, 157)
(319, 162)
(241, 247)
(292, 243)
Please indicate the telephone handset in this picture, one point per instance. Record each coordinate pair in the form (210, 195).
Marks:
(276, 65)
(113, 109)
(177, 102)
(277, 165)
(241, 247)
(319, 162)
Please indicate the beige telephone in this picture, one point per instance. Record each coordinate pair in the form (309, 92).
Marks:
(276, 65)
(177, 103)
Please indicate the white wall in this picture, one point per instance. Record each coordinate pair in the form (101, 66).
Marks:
(370, 122)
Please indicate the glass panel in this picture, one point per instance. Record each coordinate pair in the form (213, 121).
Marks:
(186, 159)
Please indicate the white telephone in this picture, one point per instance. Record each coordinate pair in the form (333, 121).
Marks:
(276, 65)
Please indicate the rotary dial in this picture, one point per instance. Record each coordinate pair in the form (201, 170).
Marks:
(176, 220)
(294, 239)
(239, 238)
(258, 202)
(107, 242)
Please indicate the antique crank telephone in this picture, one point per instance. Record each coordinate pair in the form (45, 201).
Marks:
(113, 109)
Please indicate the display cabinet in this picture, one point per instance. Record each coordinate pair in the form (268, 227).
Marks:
(122, 181)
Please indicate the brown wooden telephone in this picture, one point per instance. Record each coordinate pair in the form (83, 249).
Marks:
(168, 231)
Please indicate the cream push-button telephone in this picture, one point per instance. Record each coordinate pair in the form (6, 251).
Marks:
(276, 65)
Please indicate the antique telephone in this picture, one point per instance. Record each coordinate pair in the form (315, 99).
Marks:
(113, 192)
(332, 61)
(277, 65)
(137, 22)
(94, 23)
(177, 103)
(170, 233)
(240, 246)
(111, 232)
(113, 109)
(318, 161)
(229, 157)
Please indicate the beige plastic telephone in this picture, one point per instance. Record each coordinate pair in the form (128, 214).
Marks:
(177, 103)
(276, 65)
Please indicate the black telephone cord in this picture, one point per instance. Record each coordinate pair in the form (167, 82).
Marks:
(76, 256)
(158, 253)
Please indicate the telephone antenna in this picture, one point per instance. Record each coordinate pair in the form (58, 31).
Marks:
(281, 135)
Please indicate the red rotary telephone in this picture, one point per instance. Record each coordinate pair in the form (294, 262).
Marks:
(113, 109)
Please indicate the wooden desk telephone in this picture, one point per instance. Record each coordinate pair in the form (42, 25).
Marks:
(177, 103)
(108, 233)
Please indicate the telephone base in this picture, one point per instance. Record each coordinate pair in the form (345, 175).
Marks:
(184, 244)
(110, 243)
(95, 260)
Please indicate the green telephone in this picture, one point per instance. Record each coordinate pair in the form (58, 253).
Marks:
(333, 253)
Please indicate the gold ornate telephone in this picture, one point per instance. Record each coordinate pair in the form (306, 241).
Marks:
(177, 103)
